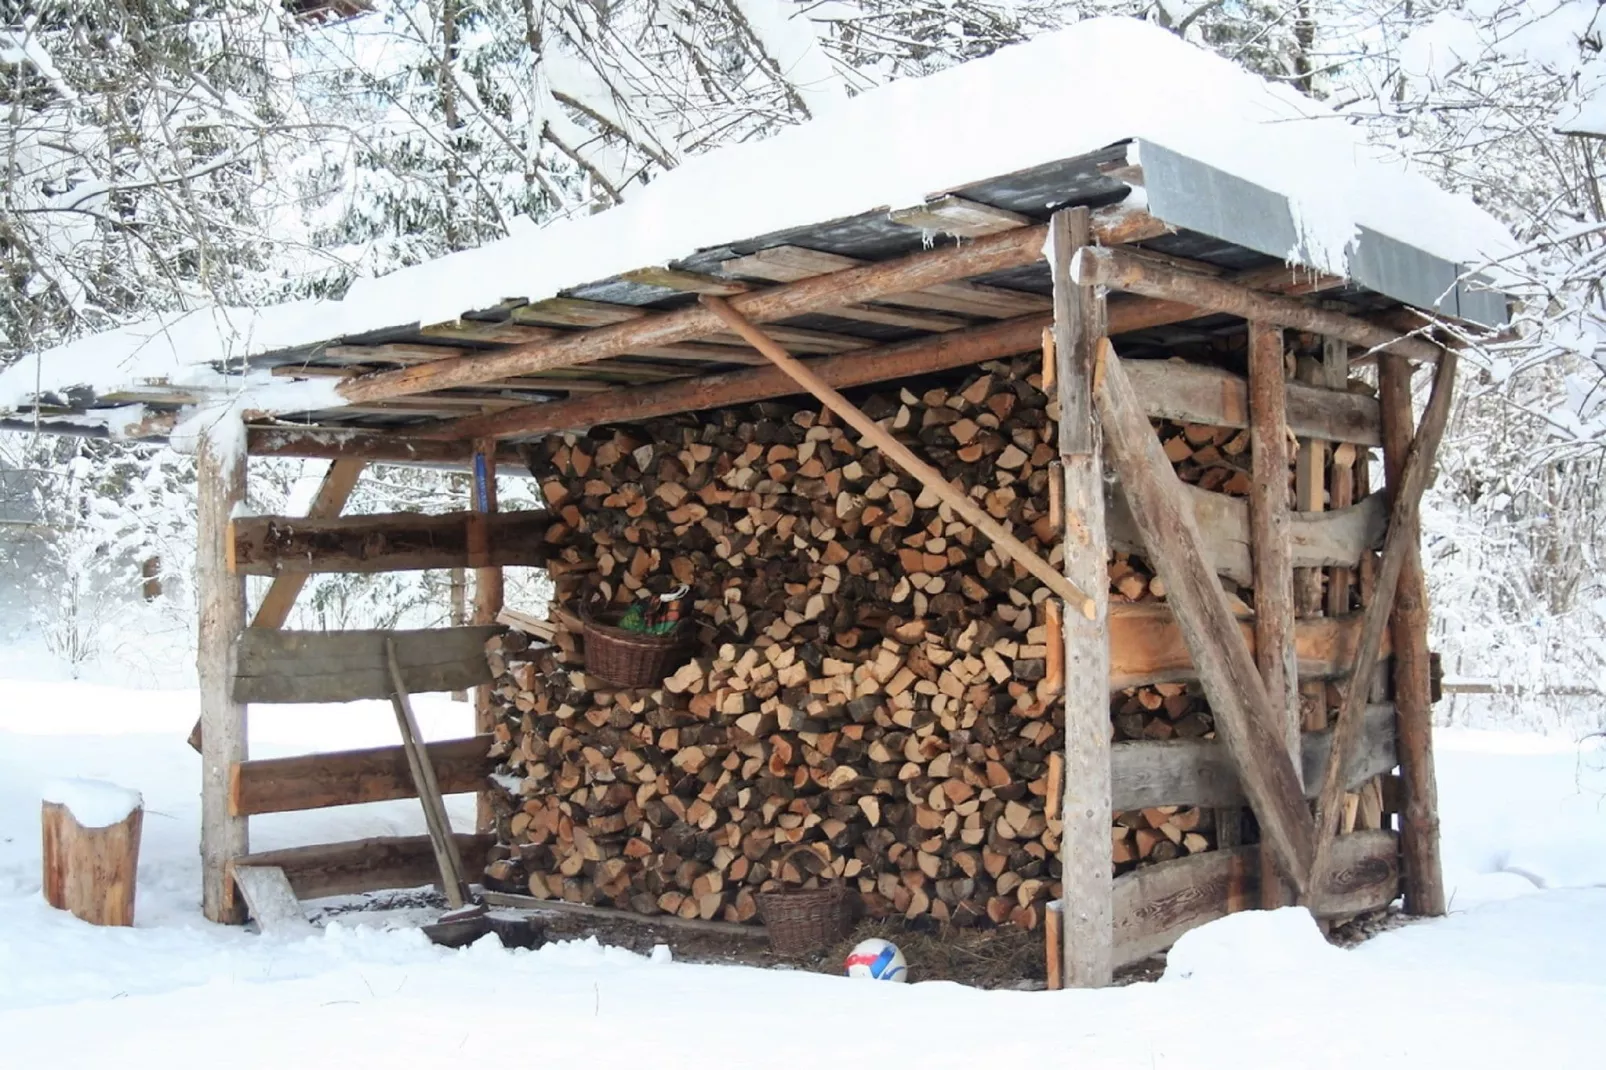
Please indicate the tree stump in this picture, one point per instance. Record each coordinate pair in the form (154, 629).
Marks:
(91, 833)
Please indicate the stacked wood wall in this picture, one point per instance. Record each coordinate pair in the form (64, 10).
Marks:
(869, 678)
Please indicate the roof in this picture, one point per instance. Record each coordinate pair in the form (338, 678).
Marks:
(1245, 174)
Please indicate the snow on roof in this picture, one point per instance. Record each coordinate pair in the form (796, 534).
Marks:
(1108, 80)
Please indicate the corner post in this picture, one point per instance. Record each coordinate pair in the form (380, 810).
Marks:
(488, 594)
(1413, 702)
(1085, 850)
(1272, 552)
(220, 597)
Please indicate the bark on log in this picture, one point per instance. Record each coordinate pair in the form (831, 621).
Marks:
(335, 443)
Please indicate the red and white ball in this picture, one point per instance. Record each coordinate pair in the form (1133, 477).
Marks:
(877, 960)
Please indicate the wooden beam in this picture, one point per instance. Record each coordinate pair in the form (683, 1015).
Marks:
(1317, 539)
(1121, 270)
(1154, 905)
(281, 596)
(1147, 646)
(366, 865)
(289, 546)
(1003, 541)
(896, 361)
(377, 447)
(995, 252)
(1405, 501)
(1245, 716)
(1419, 818)
(1085, 849)
(220, 597)
(343, 778)
(1199, 772)
(1271, 547)
(1192, 393)
(280, 666)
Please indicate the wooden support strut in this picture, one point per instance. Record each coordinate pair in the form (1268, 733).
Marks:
(1406, 499)
(1271, 548)
(1122, 270)
(1085, 847)
(429, 790)
(995, 252)
(1004, 542)
(1413, 689)
(1246, 718)
(338, 483)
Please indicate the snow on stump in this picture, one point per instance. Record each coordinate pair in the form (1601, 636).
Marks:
(91, 849)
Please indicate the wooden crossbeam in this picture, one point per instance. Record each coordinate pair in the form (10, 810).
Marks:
(294, 547)
(1121, 270)
(376, 447)
(1404, 505)
(1147, 646)
(343, 778)
(364, 865)
(1003, 541)
(1245, 716)
(992, 253)
(280, 666)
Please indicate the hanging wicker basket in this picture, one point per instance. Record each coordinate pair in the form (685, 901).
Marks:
(801, 920)
(629, 659)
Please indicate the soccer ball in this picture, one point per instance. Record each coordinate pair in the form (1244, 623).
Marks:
(879, 960)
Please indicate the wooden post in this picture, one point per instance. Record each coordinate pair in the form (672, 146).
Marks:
(1413, 704)
(1246, 719)
(488, 594)
(1405, 499)
(89, 869)
(1272, 553)
(220, 484)
(1086, 863)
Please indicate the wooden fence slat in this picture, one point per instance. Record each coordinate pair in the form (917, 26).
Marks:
(1156, 904)
(279, 666)
(1199, 772)
(366, 865)
(343, 778)
(1147, 646)
(284, 546)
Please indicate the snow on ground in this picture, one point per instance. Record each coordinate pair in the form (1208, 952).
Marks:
(1517, 972)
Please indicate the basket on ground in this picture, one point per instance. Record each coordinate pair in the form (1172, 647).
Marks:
(630, 659)
(800, 920)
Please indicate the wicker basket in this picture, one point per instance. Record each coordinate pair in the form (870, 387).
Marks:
(629, 659)
(801, 920)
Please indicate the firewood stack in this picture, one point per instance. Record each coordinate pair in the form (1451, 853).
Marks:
(868, 678)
